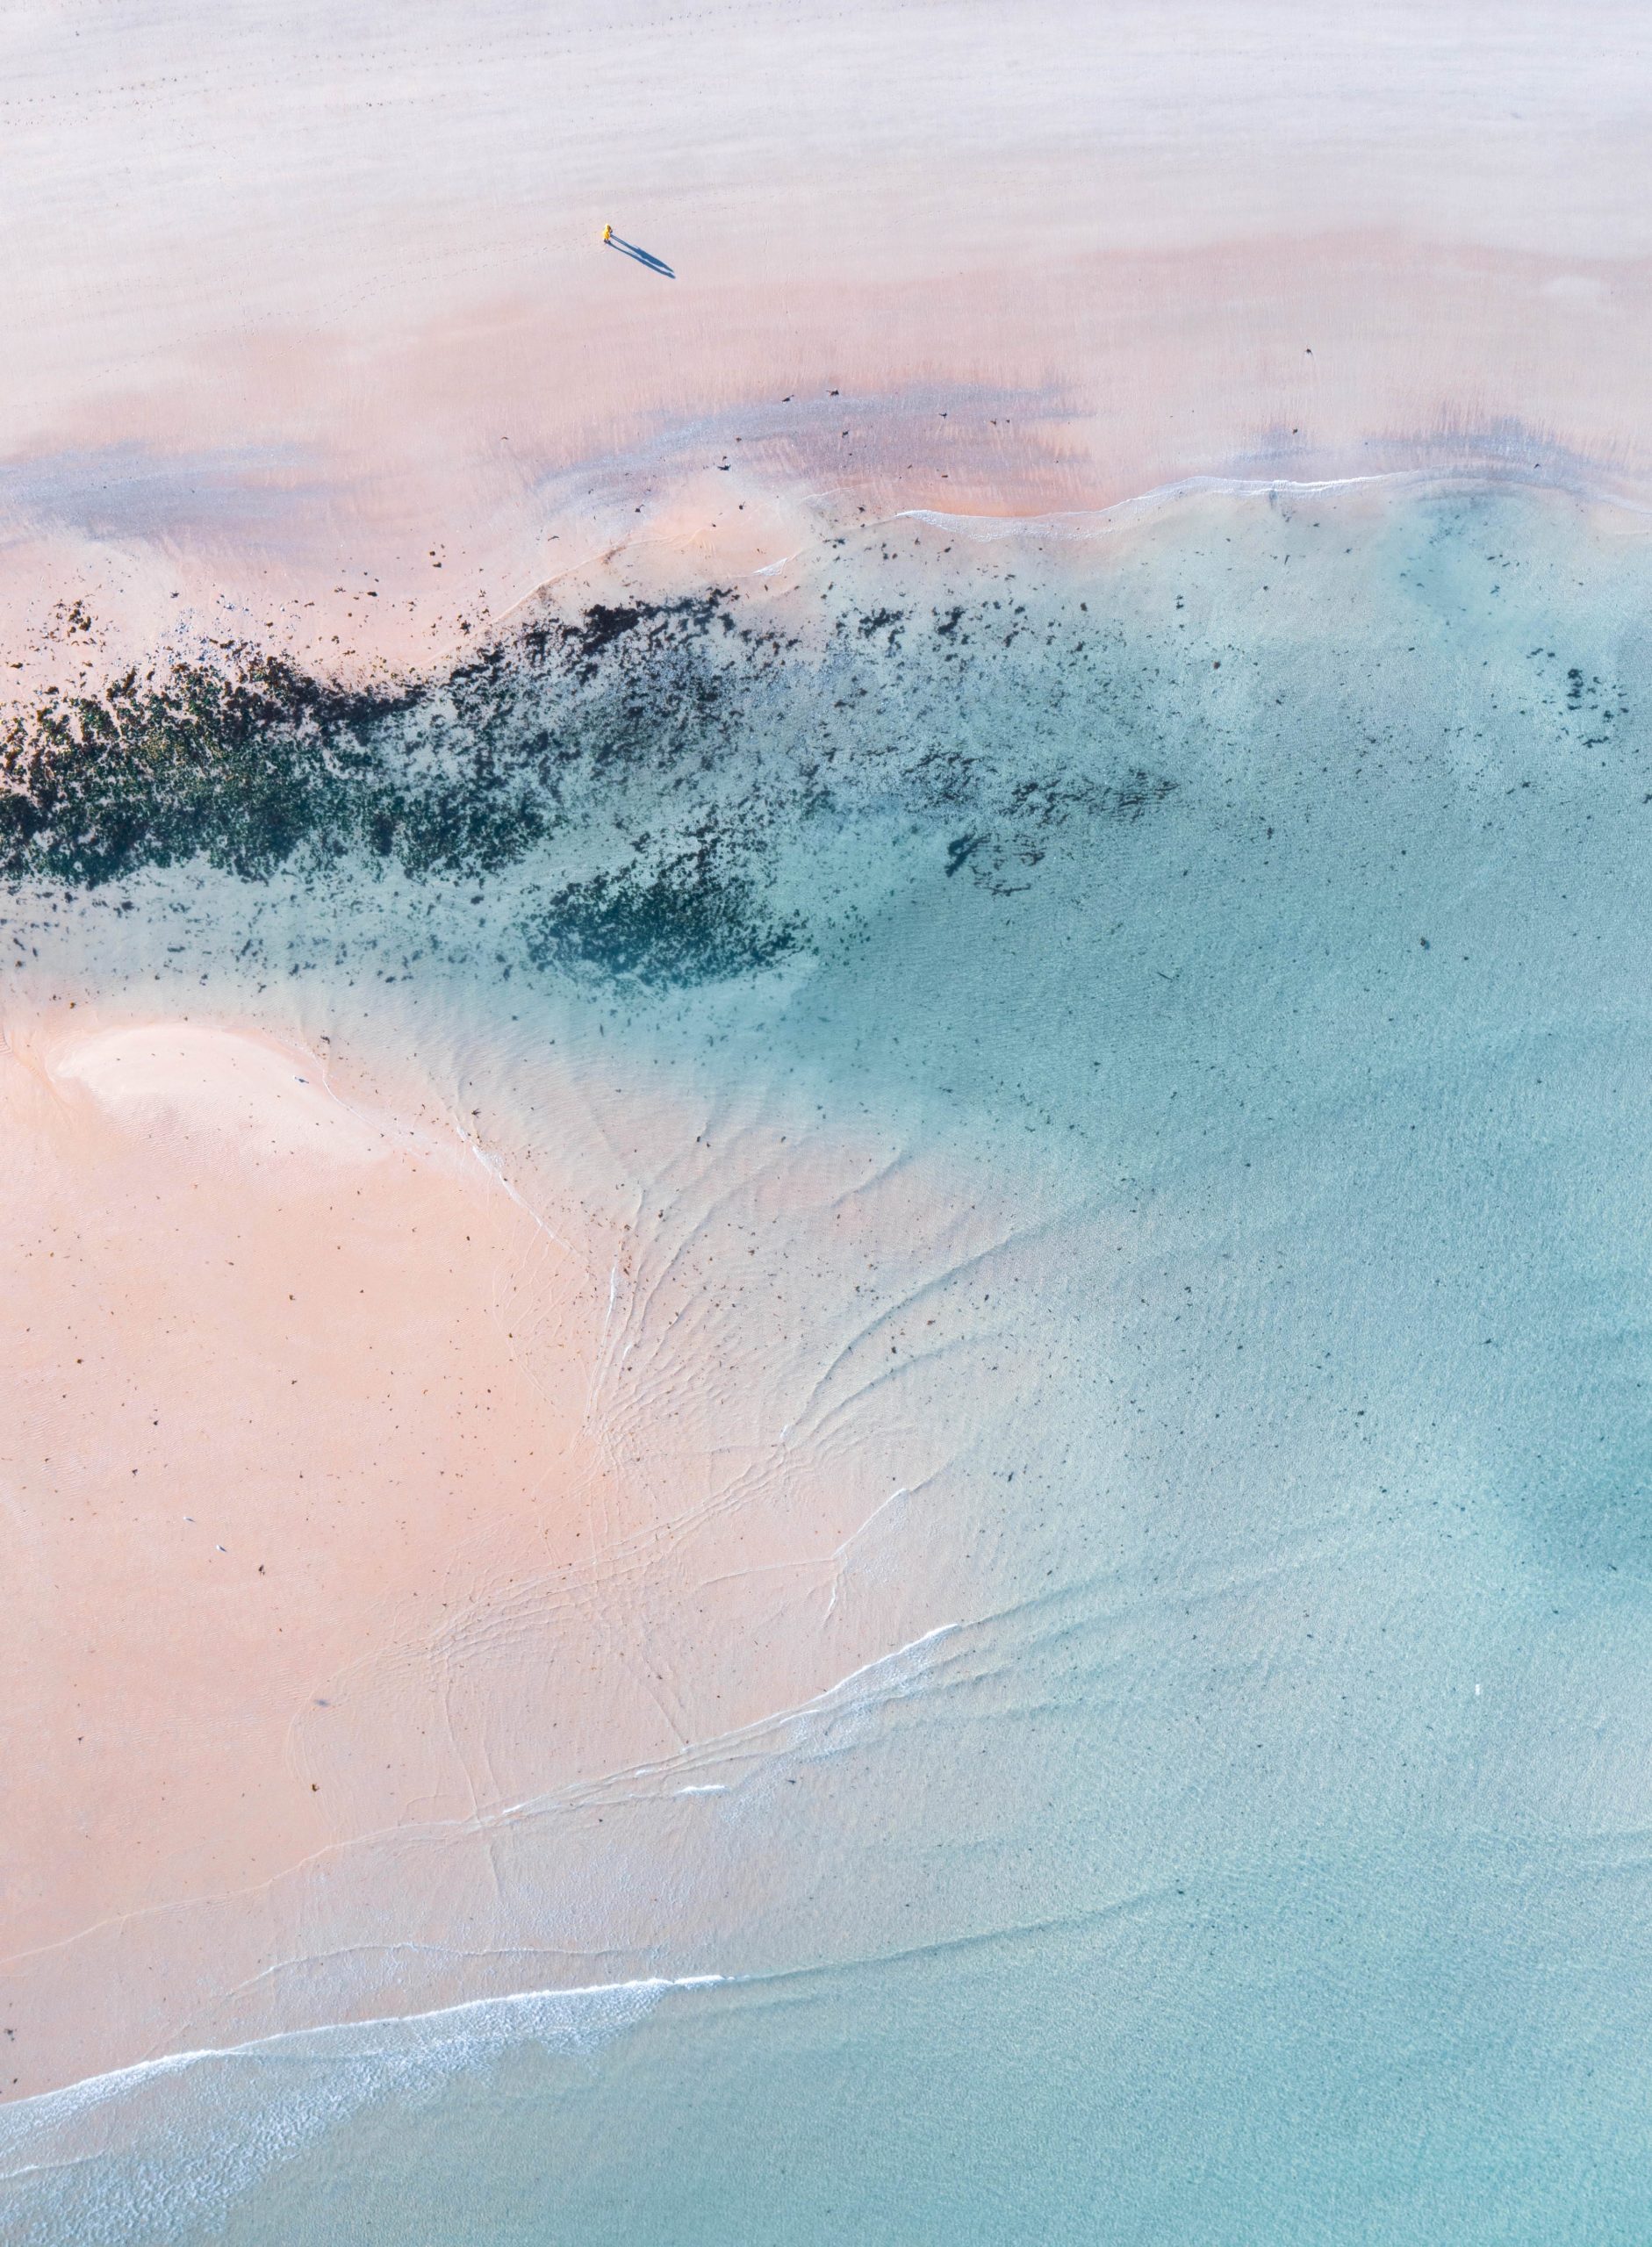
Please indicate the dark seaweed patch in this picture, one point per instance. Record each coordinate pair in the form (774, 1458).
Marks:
(238, 766)
(692, 921)
(654, 762)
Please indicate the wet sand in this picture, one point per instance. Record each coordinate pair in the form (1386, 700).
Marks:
(356, 1498)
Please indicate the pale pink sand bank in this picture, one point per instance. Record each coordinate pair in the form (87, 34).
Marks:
(359, 1502)
(310, 323)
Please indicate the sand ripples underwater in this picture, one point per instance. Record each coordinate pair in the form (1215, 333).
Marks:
(982, 1562)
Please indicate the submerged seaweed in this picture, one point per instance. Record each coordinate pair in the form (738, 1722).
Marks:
(650, 762)
(685, 923)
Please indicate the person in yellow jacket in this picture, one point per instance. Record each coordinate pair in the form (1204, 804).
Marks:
(608, 233)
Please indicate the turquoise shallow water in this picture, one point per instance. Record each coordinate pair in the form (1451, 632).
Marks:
(1252, 1846)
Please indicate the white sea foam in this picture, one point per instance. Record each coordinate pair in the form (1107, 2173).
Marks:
(149, 2152)
(1474, 472)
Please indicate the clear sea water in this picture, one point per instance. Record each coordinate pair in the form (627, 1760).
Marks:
(1245, 1837)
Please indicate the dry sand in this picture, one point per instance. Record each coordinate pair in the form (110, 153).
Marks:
(311, 324)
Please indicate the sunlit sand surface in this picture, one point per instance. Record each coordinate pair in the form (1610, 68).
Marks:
(352, 373)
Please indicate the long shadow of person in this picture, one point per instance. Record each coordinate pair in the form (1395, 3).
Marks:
(611, 241)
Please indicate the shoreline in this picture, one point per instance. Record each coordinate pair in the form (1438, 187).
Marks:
(520, 1573)
(678, 561)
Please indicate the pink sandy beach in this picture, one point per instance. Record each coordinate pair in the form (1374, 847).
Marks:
(313, 342)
